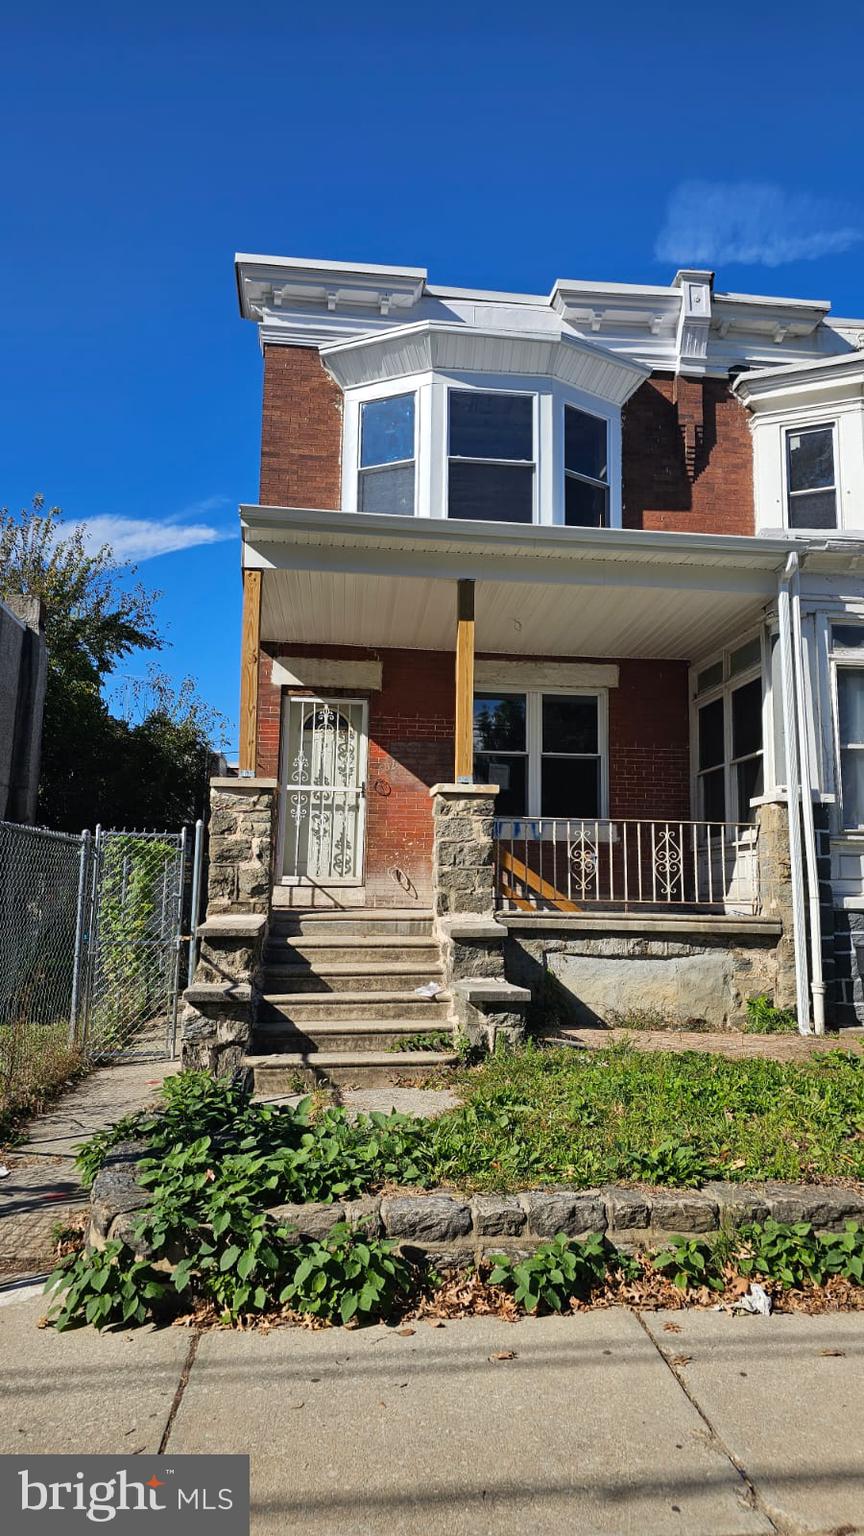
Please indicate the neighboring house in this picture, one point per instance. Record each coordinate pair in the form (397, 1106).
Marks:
(23, 672)
(635, 514)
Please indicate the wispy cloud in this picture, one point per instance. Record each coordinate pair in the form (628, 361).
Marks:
(141, 538)
(752, 223)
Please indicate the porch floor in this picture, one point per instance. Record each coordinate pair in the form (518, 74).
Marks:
(727, 1043)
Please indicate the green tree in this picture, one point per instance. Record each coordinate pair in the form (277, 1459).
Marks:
(96, 767)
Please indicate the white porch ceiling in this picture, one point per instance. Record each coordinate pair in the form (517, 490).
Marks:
(519, 618)
(335, 578)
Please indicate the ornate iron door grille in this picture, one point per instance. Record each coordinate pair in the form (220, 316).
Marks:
(324, 770)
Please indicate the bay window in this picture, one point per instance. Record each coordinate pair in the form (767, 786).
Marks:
(586, 470)
(545, 751)
(387, 453)
(490, 456)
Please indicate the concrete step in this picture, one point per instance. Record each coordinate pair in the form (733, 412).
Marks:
(362, 921)
(283, 1072)
(349, 977)
(334, 1007)
(343, 1035)
(343, 949)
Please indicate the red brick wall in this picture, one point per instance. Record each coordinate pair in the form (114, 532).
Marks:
(301, 431)
(411, 748)
(657, 490)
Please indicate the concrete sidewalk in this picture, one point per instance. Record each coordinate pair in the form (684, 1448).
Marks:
(603, 1424)
(43, 1188)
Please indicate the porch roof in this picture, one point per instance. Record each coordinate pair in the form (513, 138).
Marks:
(347, 578)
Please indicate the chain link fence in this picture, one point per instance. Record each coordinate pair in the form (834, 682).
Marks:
(40, 907)
(92, 948)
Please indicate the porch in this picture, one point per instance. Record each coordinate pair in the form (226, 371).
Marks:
(385, 654)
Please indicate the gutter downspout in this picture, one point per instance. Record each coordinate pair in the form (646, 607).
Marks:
(817, 983)
(793, 792)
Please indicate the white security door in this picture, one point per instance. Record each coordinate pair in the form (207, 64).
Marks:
(323, 790)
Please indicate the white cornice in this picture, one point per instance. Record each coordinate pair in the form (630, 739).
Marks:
(430, 347)
(315, 303)
(824, 381)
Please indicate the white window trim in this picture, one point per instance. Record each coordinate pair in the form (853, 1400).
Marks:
(829, 424)
(724, 690)
(839, 657)
(534, 744)
(575, 474)
(431, 431)
(770, 474)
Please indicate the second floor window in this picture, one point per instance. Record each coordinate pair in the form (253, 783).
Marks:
(811, 486)
(491, 457)
(586, 470)
(386, 477)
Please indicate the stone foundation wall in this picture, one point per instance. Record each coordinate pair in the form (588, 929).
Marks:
(463, 871)
(597, 970)
(241, 834)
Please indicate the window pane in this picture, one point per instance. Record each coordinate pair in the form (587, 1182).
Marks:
(585, 443)
(747, 719)
(386, 430)
(814, 509)
(511, 776)
(714, 795)
(849, 637)
(710, 677)
(749, 784)
(387, 490)
(570, 787)
(499, 722)
(850, 698)
(585, 505)
(811, 459)
(491, 493)
(748, 655)
(852, 780)
(569, 724)
(711, 734)
(491, 426)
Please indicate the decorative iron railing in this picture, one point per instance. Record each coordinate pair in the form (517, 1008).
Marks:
(555, 864)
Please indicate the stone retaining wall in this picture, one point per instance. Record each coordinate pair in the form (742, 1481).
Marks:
(454, 1229)
(596, 969)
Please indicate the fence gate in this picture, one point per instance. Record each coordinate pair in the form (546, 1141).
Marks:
(131, 944)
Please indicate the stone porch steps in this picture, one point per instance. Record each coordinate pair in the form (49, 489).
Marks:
(343, 1034)
(351, 976)
(338, 949)
(310, 1007)
(362, 922)
(280, 1072)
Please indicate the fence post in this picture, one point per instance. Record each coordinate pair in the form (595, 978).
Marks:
(171, 1042)
(92, 937)
(195, 903)
(81, 932)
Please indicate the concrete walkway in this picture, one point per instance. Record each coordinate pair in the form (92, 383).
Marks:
(603, 1424)
(43, 1188)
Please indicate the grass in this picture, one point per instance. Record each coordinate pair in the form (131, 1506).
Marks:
(36, 1061)
(547, 1116)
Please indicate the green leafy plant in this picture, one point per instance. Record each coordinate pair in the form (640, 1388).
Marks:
(764, 1019)
(680, 1164)
(689, 1262)
(348, 1276)
(103, 1287)
(557, 1270)
(432, 1040)
(792, 1254)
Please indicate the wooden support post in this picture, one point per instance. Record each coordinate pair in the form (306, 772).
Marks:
(464, 680)
(250, 650)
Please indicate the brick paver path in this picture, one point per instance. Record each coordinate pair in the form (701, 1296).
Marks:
(735, 1046)
(43, 1188)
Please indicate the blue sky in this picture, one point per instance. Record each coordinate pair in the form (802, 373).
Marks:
(499, 146)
